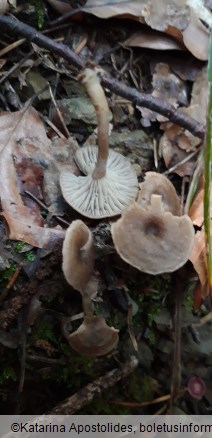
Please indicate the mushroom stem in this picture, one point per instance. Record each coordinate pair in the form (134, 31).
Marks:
(96, 93)
(87, 304)
(156, 203)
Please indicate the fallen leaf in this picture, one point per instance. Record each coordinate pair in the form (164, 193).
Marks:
(196, 211)
(151, 39)
(60, 6)
(17, 130)
(199, 98)
(103, 9)
(166, 86)
(175, 146)
(196, 36)
(198, 257)
(188, 21)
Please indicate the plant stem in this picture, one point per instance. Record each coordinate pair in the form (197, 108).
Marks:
(207, 176)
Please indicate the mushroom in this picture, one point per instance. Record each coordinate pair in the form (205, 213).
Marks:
(153, 241)
(158, 184)
(110, 183)
(94, 337)
(78, 255)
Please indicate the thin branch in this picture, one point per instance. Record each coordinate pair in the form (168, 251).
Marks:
(145, 100)
(85, 395)
(33, 35)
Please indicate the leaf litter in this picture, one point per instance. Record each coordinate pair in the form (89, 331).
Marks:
(31, 162)
(25, 157)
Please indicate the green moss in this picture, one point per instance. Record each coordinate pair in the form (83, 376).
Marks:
(139, 387)
(7, 374)
(8, 367)
(102, 406)
(19, 246)
(29, 256)
(7, 273)
(154, 310)
(188, 301)
(43, 330)
(78, 371)
(151, 337)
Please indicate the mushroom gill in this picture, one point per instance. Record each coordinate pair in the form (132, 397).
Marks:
(110, 183)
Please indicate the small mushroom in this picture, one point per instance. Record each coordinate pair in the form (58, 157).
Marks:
(94, 337)
(153, 241)
(196, 387)
(157, 184)
(110, 183)
(78, 255)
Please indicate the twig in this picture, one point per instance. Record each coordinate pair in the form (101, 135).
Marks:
(59, 112)
(176, 367)
(185, 160)
(41, 40)
(131, 405)
(157, 105)
(26, 292)
(11, 282)
(44, 207)
(12, 46)
(15, 67)
(85, 395)
(146, 100)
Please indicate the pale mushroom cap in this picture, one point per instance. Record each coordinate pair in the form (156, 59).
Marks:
(94, 337)
(78, 255)
(155, 183)
(153, 242)
(103, 197)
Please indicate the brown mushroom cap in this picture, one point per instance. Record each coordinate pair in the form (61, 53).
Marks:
(78, 255)
(94, 337)
(153, 241)
(155, 183)
(103, 197)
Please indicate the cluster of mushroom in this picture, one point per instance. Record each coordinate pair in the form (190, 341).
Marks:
(94, 337)
(109, 186)
(152, 235)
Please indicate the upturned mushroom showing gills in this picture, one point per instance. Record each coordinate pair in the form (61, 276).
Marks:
(153, 241)
(157, 184)
(110, 184)
(94, 337)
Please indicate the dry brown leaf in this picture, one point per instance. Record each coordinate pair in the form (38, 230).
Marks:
(151, 39)
(60, 6)
(105, 9)
(199, 98)
(19, 130)
(166, 86)
(198, 257)
(196, 37)
(196, 212)
(175, 145)
(183, 19)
